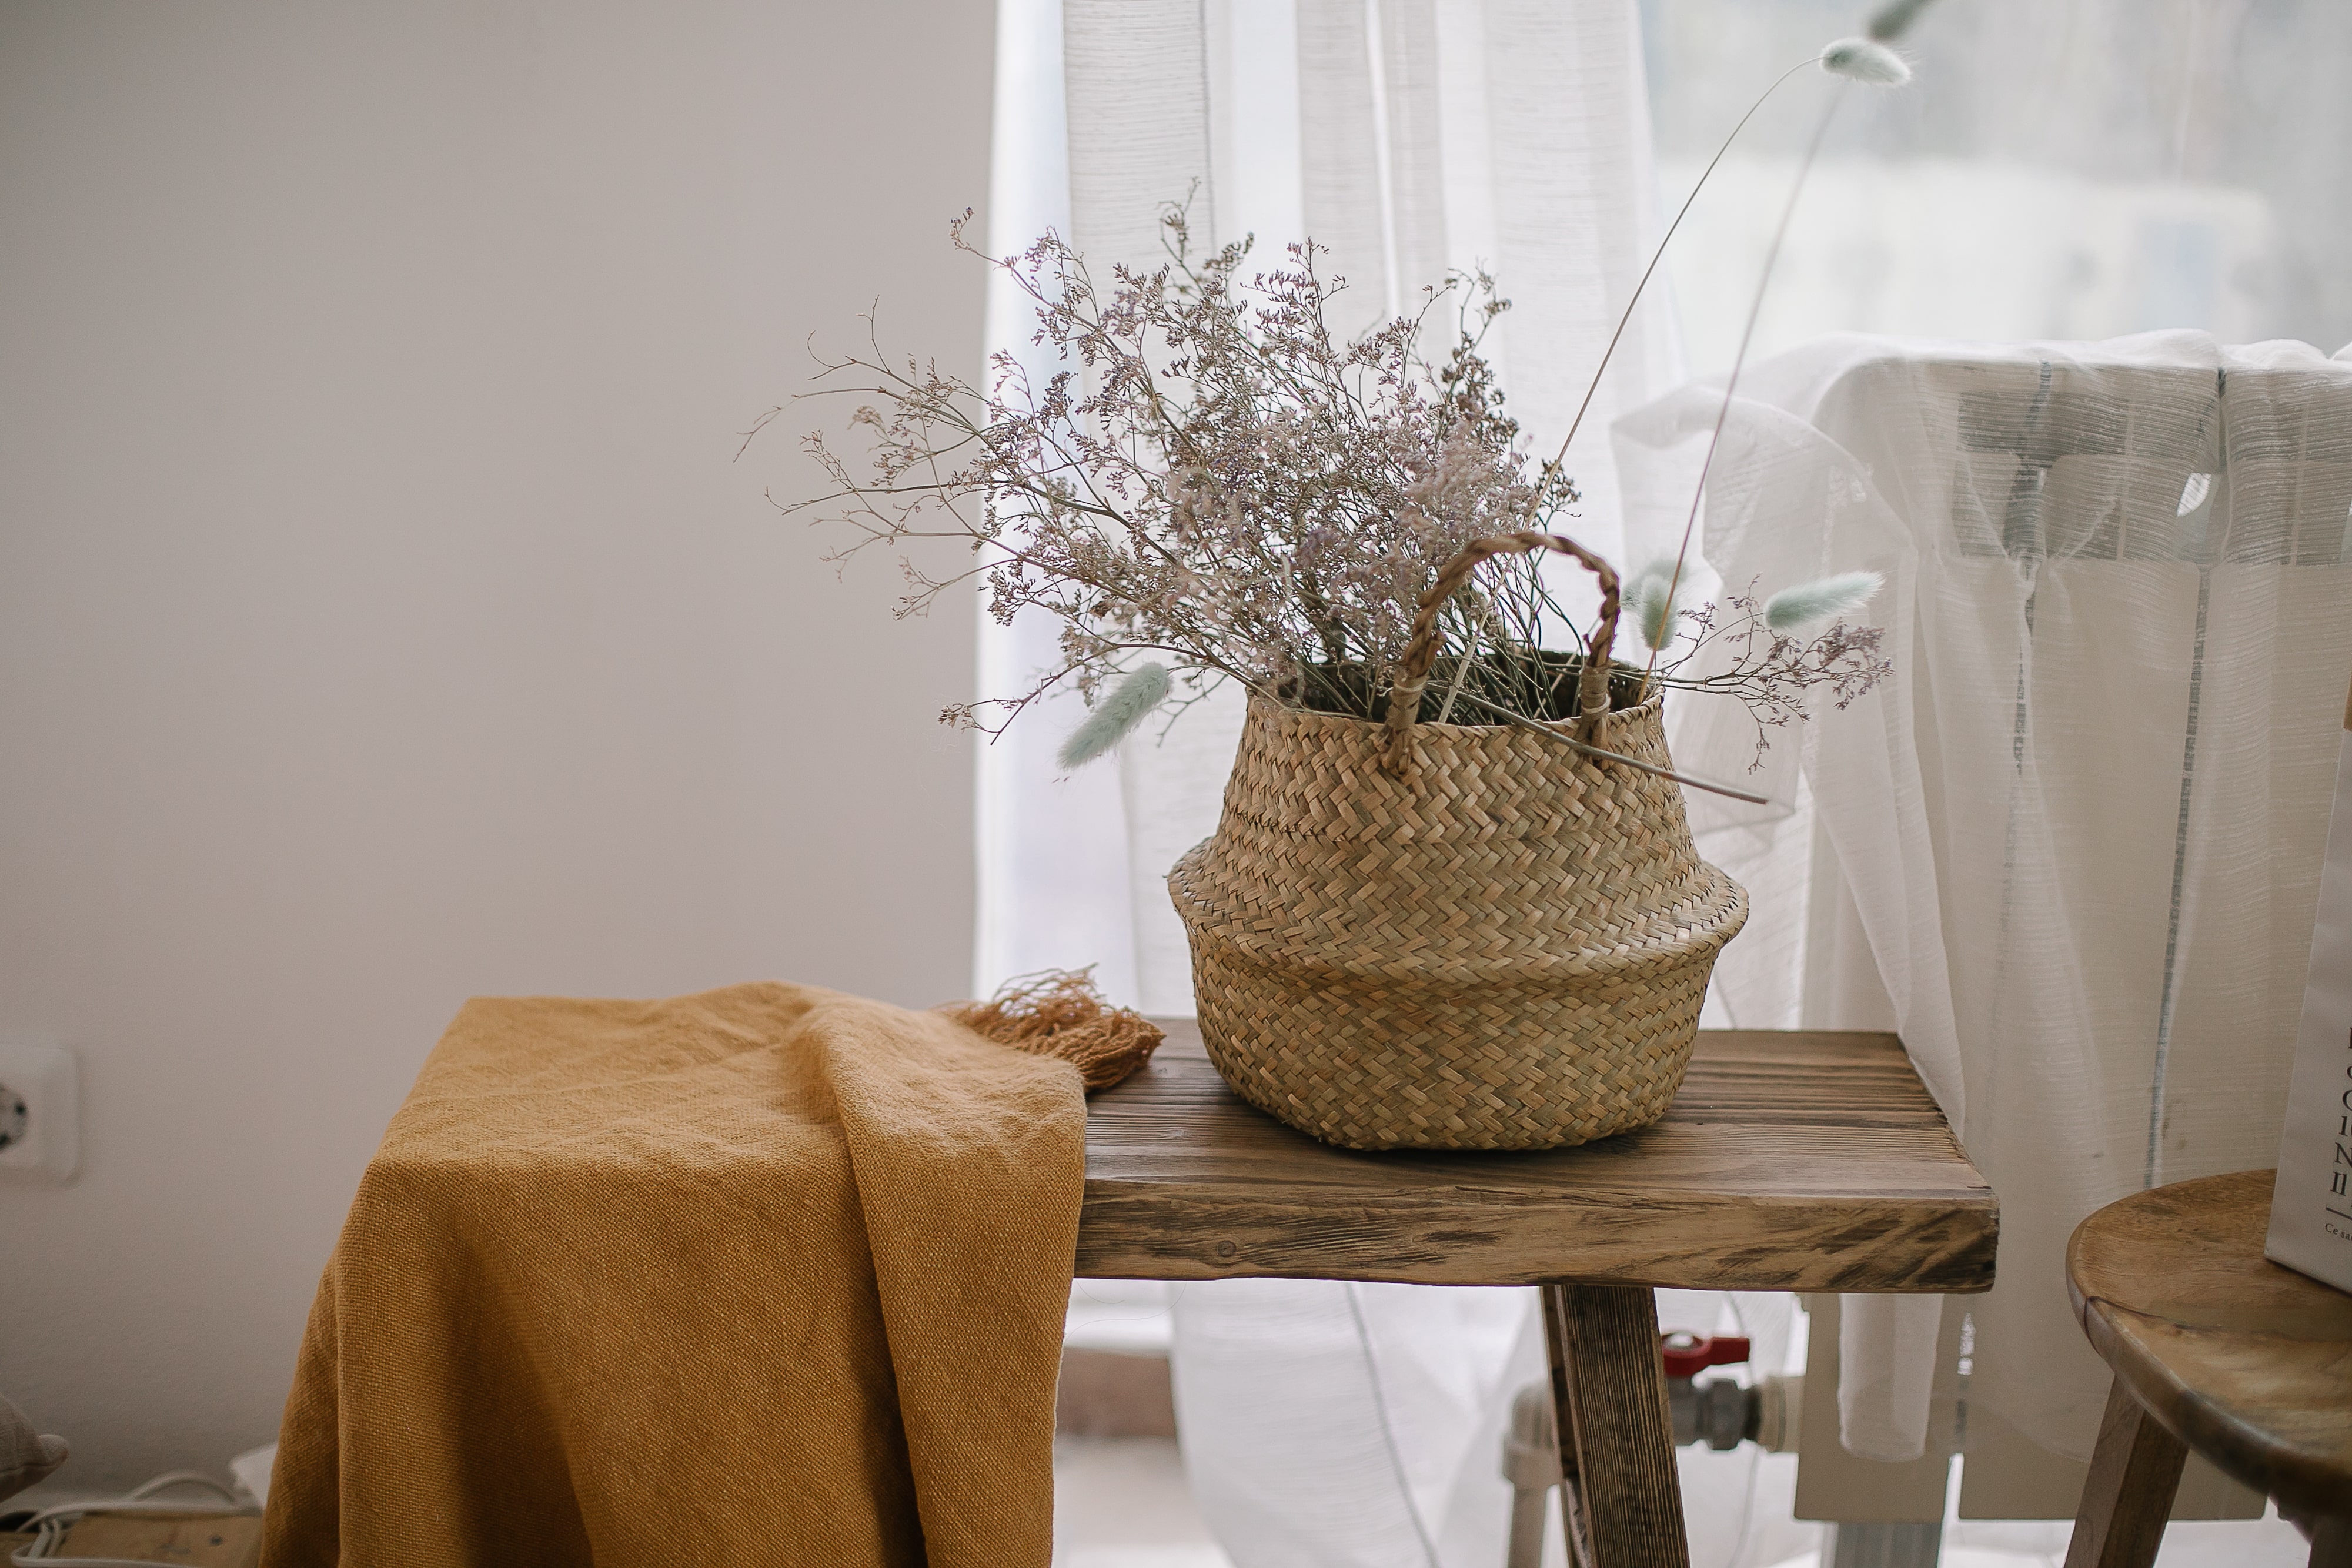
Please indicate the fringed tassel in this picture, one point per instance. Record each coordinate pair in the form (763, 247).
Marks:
(1058, 1012)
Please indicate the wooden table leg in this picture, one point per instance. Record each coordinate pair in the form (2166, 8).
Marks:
(2135, 1470)
(1617, 1444)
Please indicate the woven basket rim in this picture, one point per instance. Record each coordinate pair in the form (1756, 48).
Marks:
(1654, 704)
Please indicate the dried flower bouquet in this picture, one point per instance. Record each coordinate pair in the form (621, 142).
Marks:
(1216, 486)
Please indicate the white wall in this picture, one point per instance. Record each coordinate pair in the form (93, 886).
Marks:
(382, 618)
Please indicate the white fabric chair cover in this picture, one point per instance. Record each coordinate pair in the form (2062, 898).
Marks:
(2071, 850)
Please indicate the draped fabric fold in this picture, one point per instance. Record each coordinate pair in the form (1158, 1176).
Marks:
(765, 1273)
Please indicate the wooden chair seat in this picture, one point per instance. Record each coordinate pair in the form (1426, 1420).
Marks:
(2214, 1348)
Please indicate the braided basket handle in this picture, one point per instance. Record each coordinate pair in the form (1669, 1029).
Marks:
(1421, 653)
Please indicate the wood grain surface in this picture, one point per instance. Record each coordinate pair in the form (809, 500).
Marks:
(1790, 1161)
(1610, 1389)
(2247, 1362)
(2127, 1497)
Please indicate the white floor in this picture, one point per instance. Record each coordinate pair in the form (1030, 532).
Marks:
(1121, 1502)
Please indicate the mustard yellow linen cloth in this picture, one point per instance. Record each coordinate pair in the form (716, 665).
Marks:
(767, 1275)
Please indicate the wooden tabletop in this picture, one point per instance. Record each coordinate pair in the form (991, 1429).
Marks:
(2247, 1362)
(1791, 1161)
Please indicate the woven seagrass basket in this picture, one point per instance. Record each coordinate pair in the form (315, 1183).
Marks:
(1412, 935)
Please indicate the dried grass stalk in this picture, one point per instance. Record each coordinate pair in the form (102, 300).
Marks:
(1059, 1013)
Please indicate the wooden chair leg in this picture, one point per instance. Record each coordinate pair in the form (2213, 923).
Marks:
(1617, 1446)
(2135, 1470)
(2331, 1543)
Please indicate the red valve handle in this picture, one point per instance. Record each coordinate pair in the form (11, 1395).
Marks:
(1689, 1354)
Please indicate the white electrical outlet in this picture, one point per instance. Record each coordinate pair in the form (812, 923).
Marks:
(40, 1110)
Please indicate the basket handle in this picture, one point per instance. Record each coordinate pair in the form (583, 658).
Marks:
(1412, 670)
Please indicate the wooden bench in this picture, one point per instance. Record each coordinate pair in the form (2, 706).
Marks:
(1791, 1161)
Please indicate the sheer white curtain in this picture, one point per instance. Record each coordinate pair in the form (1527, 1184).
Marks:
(1322, 1423)
(1410, 136)
(2071, 170)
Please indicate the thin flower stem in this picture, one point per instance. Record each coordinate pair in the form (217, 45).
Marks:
(1747, 336)
(1523, 722)
(1461, 672)
(1659, 254)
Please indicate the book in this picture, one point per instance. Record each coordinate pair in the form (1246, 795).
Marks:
(2310, 1207)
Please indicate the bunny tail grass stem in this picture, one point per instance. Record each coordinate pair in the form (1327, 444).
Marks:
(1143, 689)
(1865, 61)
(1794, 608)
(1659, 254)
(1508, 716)
(1646, 596)
(1747, 336)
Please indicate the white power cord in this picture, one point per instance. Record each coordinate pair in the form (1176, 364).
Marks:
(49, 1526)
